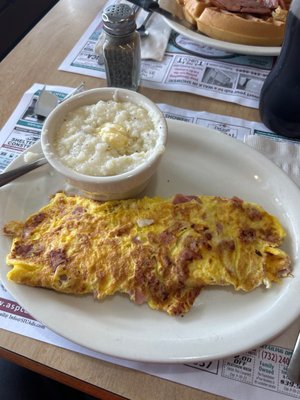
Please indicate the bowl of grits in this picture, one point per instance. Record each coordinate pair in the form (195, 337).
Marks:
(107, 142)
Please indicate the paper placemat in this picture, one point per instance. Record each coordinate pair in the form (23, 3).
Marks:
(186, 67)
(252, 375)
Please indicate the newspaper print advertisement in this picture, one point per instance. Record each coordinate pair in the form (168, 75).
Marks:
(186, 67)
(253, 375)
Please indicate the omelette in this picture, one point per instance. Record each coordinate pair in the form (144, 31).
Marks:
(155, 250)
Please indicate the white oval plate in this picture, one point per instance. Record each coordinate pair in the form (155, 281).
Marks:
(222, 322)
(221, 45)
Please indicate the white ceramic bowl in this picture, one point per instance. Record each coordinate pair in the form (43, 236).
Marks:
(120, 186)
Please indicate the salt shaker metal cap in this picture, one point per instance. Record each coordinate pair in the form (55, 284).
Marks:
(119, 19)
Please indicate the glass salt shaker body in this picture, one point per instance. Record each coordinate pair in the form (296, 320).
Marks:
(280, 95)
(121, 47)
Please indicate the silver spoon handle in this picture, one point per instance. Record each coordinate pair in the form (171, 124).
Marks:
(293, 371)
(9, 176)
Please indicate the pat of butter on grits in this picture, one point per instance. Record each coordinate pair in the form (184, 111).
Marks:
(107, 138)
(114, 135)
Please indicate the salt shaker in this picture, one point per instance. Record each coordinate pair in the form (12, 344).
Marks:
(280, 95)
(121, 47)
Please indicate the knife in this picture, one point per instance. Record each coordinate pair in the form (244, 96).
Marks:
(9, 176)
(153, 6)
(293, 370)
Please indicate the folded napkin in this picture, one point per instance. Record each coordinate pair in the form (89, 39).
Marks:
(284, 154)
(153, 44)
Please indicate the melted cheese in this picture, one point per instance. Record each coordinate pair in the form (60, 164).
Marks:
(159, 251)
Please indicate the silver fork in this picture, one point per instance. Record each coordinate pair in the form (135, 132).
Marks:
(142, 29)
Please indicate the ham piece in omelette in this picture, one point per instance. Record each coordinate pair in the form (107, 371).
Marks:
(155, 250)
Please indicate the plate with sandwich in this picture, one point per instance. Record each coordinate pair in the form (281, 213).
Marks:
(254, 27)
